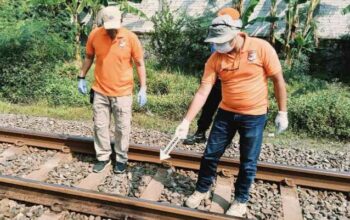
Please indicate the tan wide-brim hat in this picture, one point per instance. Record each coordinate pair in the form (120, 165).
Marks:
(111, 17)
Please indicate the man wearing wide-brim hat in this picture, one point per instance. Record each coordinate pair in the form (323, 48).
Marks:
(244, 64)
(211, 105)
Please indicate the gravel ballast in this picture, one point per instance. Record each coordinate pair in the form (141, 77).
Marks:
(31, 159)
(10, 209)
(13, 210)
(132, 182)
(178, 186)
(73, 172)
(321, 204)
(337, 161)
(3, 147)
(265, 202)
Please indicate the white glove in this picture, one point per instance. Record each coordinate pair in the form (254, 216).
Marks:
(281, 121)
(142, 97)
(82, 86)
(182, 129)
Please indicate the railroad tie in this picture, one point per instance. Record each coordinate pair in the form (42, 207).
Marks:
(50, 164)
(222, 194)
(9, 152)
(155, 187)
(290, 202)
(93, 180)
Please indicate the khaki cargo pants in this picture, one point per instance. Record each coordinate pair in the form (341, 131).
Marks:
(120, 107)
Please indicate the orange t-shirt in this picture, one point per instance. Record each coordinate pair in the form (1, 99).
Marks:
(244, 76)
(114, 58)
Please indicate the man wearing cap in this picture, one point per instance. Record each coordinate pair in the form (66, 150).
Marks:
(244, 65)
(115, 49)
(214, 98)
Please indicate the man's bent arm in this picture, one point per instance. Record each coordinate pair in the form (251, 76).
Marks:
(280, 91)
(198, 101)
(141, 71)
(89, 59)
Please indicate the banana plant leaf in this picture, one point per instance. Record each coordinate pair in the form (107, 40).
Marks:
(346, 10)
(126, 7)
(250, 9)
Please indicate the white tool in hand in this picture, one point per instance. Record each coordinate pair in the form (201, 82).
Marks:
(164, 153)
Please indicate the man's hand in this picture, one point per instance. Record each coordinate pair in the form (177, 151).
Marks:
(142, 97)
(82, 86)
(281, 121)
(182, 129)
(89, 59)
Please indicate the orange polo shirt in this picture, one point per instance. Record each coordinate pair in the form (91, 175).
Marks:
(244, 76)
(114, 58)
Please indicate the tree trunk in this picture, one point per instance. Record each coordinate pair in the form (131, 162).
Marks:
(310, 15)
(77, 39)
(273, 24)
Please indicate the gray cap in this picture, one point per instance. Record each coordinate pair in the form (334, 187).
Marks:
(223, 29)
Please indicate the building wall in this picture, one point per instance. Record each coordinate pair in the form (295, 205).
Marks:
(331, 24)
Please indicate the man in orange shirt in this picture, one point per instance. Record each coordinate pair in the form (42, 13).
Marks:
(244, 65)
(214, 98)
(115, 49)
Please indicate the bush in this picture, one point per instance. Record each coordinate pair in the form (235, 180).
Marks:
(31, 46)
(324, 113)
(314, 106)
(298, 79)
(63, 91)
(169, 93)
(178, 40)
(28, 53)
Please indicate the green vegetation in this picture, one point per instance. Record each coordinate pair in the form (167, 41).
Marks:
(346, 10)
(315, 106)
(178, 41)
(31, 47)
(322, 113)
(169, 93)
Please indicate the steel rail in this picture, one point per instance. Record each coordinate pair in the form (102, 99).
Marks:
(308, 177)
(61, 198)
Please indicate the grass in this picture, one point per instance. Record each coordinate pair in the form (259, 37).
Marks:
(303, 141)
(42, 109)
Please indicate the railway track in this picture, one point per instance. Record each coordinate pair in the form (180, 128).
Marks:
(85, 198)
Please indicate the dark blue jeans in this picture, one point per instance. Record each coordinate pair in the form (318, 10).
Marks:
(226, 124)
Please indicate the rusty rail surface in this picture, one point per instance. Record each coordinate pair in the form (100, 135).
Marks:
(61, 198)
(309, 177)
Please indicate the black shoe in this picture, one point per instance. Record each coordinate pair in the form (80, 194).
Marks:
(198, 137)
(119, 167)
(100, 166)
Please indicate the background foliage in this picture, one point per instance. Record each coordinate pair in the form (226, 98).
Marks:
(178, 40)
(38, 64)
(31, 47)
